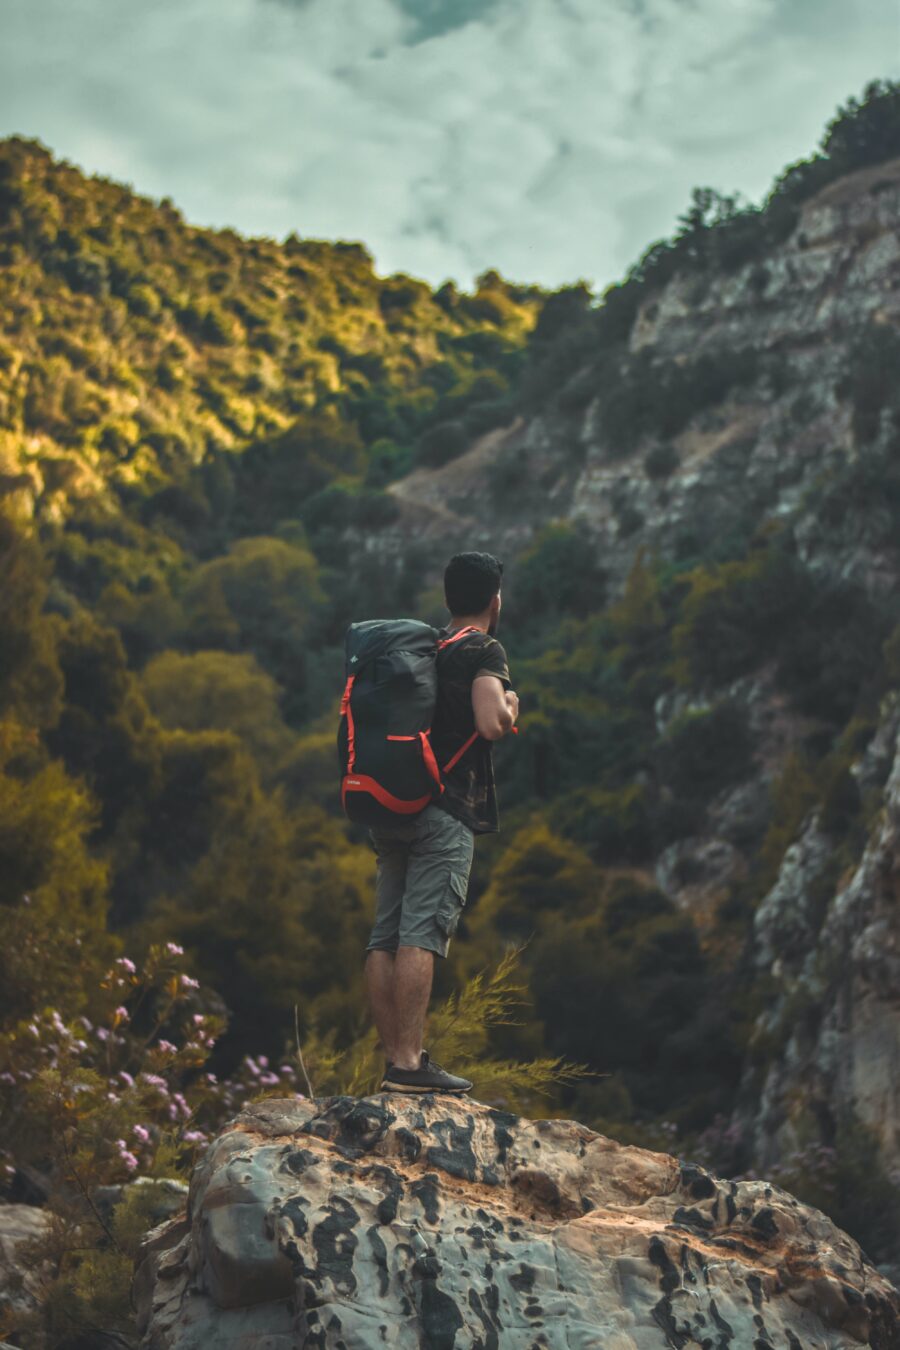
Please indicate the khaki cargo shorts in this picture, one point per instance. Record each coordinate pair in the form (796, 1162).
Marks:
(421, 880)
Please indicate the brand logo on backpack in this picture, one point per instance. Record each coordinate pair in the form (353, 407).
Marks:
(388, 768)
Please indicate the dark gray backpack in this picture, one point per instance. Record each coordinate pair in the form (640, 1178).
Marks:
(388, 769)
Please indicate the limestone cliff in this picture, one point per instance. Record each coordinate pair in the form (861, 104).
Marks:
(444, 1224)
(834, 1011)
(765, 451)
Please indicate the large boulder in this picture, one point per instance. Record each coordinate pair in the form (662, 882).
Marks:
(355, 1223)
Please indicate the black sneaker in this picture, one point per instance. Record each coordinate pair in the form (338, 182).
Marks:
(429, 1077)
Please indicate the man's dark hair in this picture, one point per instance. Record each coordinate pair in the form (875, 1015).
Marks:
(471, 580)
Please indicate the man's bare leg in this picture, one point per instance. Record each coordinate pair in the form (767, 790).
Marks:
(413, 974)
(380, 985)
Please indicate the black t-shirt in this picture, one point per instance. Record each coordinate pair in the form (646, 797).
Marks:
(469, 793)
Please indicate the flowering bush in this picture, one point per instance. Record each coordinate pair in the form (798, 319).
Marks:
(125, 1094)
(87, 1103)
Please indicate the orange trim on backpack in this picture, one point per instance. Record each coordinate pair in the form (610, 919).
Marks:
(347, 711)
(362, 783)
(401, 738)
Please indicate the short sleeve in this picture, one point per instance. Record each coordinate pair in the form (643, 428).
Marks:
(491, 660)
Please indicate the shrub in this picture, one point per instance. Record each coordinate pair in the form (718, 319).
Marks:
(93, 1101)
(487, 414)
(387, 461)
(704, 751)
(559, 574)
(399, 294)
(143, 299)
(441, 443)
(626, 990)
(871, 379)
(735, 613)
(613, 825)
(828, 657)
(661, 461)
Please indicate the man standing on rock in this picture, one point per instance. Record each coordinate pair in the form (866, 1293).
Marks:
(423, 865)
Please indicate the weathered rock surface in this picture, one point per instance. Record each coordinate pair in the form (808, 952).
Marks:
(441, 1223)
(835, 974)
(19, 1281)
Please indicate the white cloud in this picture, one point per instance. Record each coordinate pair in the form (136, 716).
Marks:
(551, 139)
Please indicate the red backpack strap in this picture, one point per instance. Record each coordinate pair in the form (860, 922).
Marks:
(460, 752)
(460, 632)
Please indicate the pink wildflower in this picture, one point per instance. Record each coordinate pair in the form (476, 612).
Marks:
(182, 1104)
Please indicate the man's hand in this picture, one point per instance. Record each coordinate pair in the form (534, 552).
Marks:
(494, 707)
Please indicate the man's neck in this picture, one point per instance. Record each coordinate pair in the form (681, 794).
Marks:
(455, 624)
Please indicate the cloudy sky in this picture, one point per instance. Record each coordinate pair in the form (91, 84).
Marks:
(551, 139)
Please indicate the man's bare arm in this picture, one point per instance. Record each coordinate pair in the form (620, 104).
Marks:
(495, 708)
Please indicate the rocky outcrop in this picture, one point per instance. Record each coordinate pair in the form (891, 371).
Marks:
(834, 969)
(20, 1277)
(444, 1224)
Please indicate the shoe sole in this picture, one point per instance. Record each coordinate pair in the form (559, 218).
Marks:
(398, 1087)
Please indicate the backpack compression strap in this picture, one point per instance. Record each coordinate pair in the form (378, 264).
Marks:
(348, 711)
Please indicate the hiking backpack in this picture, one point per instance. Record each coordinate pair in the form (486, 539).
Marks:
(388, 769)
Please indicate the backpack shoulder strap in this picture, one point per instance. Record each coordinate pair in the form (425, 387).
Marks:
(454, 637)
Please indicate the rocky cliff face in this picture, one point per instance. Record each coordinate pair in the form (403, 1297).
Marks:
(835, 978)
(357, 1223)
(765, 449)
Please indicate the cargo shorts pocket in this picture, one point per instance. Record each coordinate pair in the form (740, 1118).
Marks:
(453, 902)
